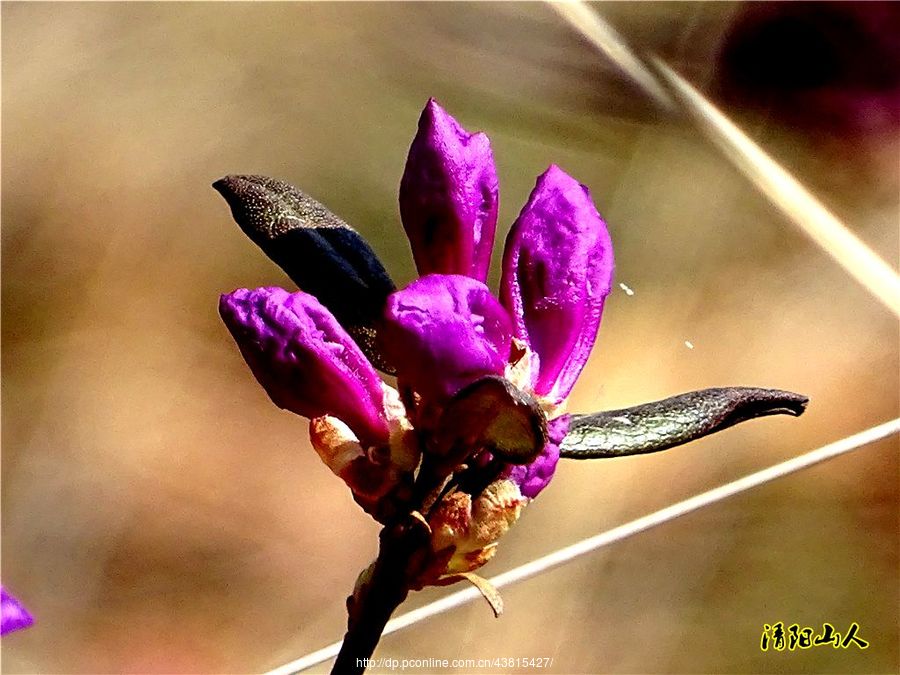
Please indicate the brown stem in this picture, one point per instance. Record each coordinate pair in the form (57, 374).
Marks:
(371, 605)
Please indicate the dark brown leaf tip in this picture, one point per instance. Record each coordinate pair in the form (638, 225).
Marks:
(267, 208)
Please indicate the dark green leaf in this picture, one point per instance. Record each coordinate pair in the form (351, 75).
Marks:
(321, 253)
(673, 421)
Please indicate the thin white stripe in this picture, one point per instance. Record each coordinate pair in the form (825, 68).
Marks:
(789, 195)
(777, 184)
(799, 205)
(605, 38)
(564, 555)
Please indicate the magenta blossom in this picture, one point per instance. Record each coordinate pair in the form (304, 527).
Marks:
(443, 332)
(294, 345)
(474, 429)
(448, 197)
(440, 334)
(557, 268)
(14, 614)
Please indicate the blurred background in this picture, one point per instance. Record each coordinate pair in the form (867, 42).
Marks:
(160, 515)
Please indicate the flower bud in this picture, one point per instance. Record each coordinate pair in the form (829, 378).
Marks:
(448, 197)
(13, 615)
(304, 360)
(557, 271)
(443, 332)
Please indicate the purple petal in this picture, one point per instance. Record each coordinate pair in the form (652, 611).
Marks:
(14, 615)
(557, 270)
(448, 197)
(534, 477)
(444, 332)
(304, 360)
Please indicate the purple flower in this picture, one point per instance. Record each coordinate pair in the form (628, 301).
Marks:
(14, 615)
(442, 333)
(557, 271)
(534, 477)
(475, 428)
(305, 360)
(448, 197)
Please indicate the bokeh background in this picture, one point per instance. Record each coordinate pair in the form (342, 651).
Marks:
(160, 515)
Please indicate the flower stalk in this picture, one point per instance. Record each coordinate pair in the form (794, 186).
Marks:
(382, 588)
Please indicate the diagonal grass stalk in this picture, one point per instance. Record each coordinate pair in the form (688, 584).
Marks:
(779, 186)
(585, 546)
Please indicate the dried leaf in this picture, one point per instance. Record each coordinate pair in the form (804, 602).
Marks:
(493, 414)
(488, 590)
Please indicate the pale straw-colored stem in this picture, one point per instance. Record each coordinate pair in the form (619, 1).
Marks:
(780, 187)
(578, 549)
(787, 193)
